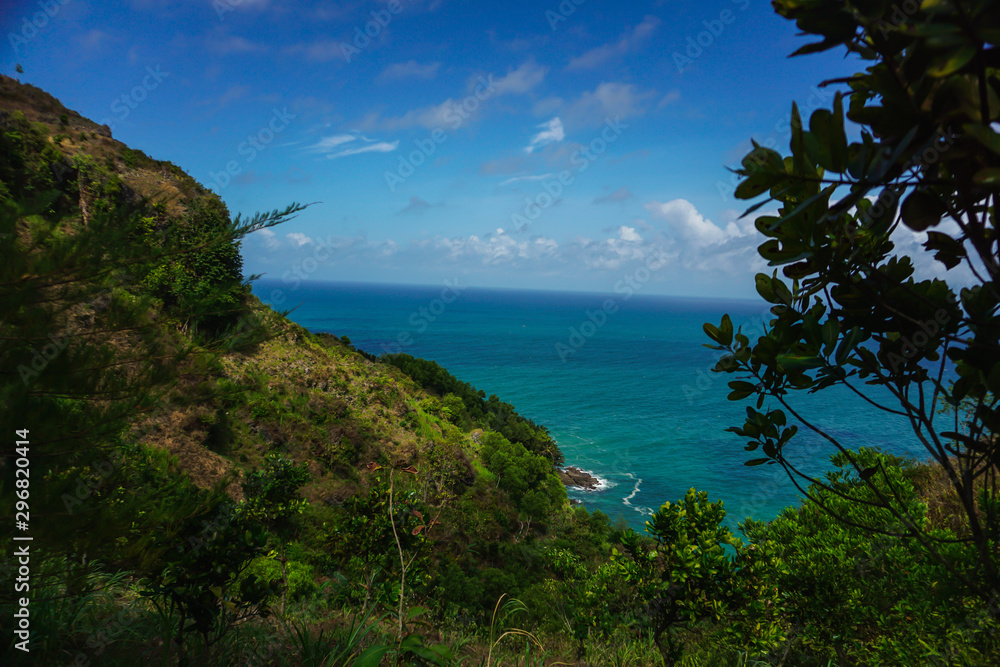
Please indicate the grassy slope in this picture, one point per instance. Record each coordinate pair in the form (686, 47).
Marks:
(314, 398)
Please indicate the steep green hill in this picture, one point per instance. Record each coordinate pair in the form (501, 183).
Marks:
(197, 391)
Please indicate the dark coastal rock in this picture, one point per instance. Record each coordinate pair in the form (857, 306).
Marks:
(575, 477)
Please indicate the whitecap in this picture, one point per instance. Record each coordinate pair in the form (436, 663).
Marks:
(627, 500)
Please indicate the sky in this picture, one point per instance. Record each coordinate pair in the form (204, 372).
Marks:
(524, 144)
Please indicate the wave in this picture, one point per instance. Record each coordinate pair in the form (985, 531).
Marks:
(627, 500)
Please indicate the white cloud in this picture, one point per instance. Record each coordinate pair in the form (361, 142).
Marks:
(619, 195)
(342, 145)
(517, 179)
(522, 79)
(701, 245)
(608, 100)
(631, 41)
(298, 238)
(411, 69)
(320, 51)
(682, 245)
(227, 44)
(629, 234)
(231, 94)
(687, 223)
(448, 115)
(380, 147)
(270, 239)
(668, 99)
(551, 132)
(417, 205)
(327, 144)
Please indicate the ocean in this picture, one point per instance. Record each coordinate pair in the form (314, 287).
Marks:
(622, 381)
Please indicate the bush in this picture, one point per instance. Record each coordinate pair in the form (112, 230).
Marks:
(301, 576)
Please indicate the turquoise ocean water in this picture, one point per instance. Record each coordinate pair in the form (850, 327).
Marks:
(622, 382)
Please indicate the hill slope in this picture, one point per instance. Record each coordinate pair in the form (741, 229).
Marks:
(234, 394)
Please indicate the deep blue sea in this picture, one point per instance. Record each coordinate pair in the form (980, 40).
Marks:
(622, 381)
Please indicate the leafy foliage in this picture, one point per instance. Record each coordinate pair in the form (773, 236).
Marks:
(527, 477)
(489, 413)
(853, 314)
(865, 598)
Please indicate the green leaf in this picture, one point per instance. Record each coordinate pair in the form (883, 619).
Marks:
(922, 209)
(756, 462)
(726, 331)
(949, 251)
(989, 177)
(815, 47)
(847, 345)
(983, 135)
(951, 60)
(372, 656)
(793, 362)
(741, 390)
(415, 611)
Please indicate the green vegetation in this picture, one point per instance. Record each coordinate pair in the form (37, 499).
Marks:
(212, 484)
(463, 405)
(854, 314)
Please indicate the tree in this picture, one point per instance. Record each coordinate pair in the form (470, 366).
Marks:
(858, 597)
(272, 498)
(686, 578)
(850, 310)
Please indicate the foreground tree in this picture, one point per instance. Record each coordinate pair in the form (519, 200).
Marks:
(850, 310)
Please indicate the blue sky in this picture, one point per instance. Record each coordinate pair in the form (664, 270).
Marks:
(534, 144)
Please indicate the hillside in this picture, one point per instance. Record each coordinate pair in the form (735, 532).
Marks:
(209, 483)
(259, 389)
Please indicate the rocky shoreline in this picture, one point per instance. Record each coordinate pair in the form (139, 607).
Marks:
(572, 476)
